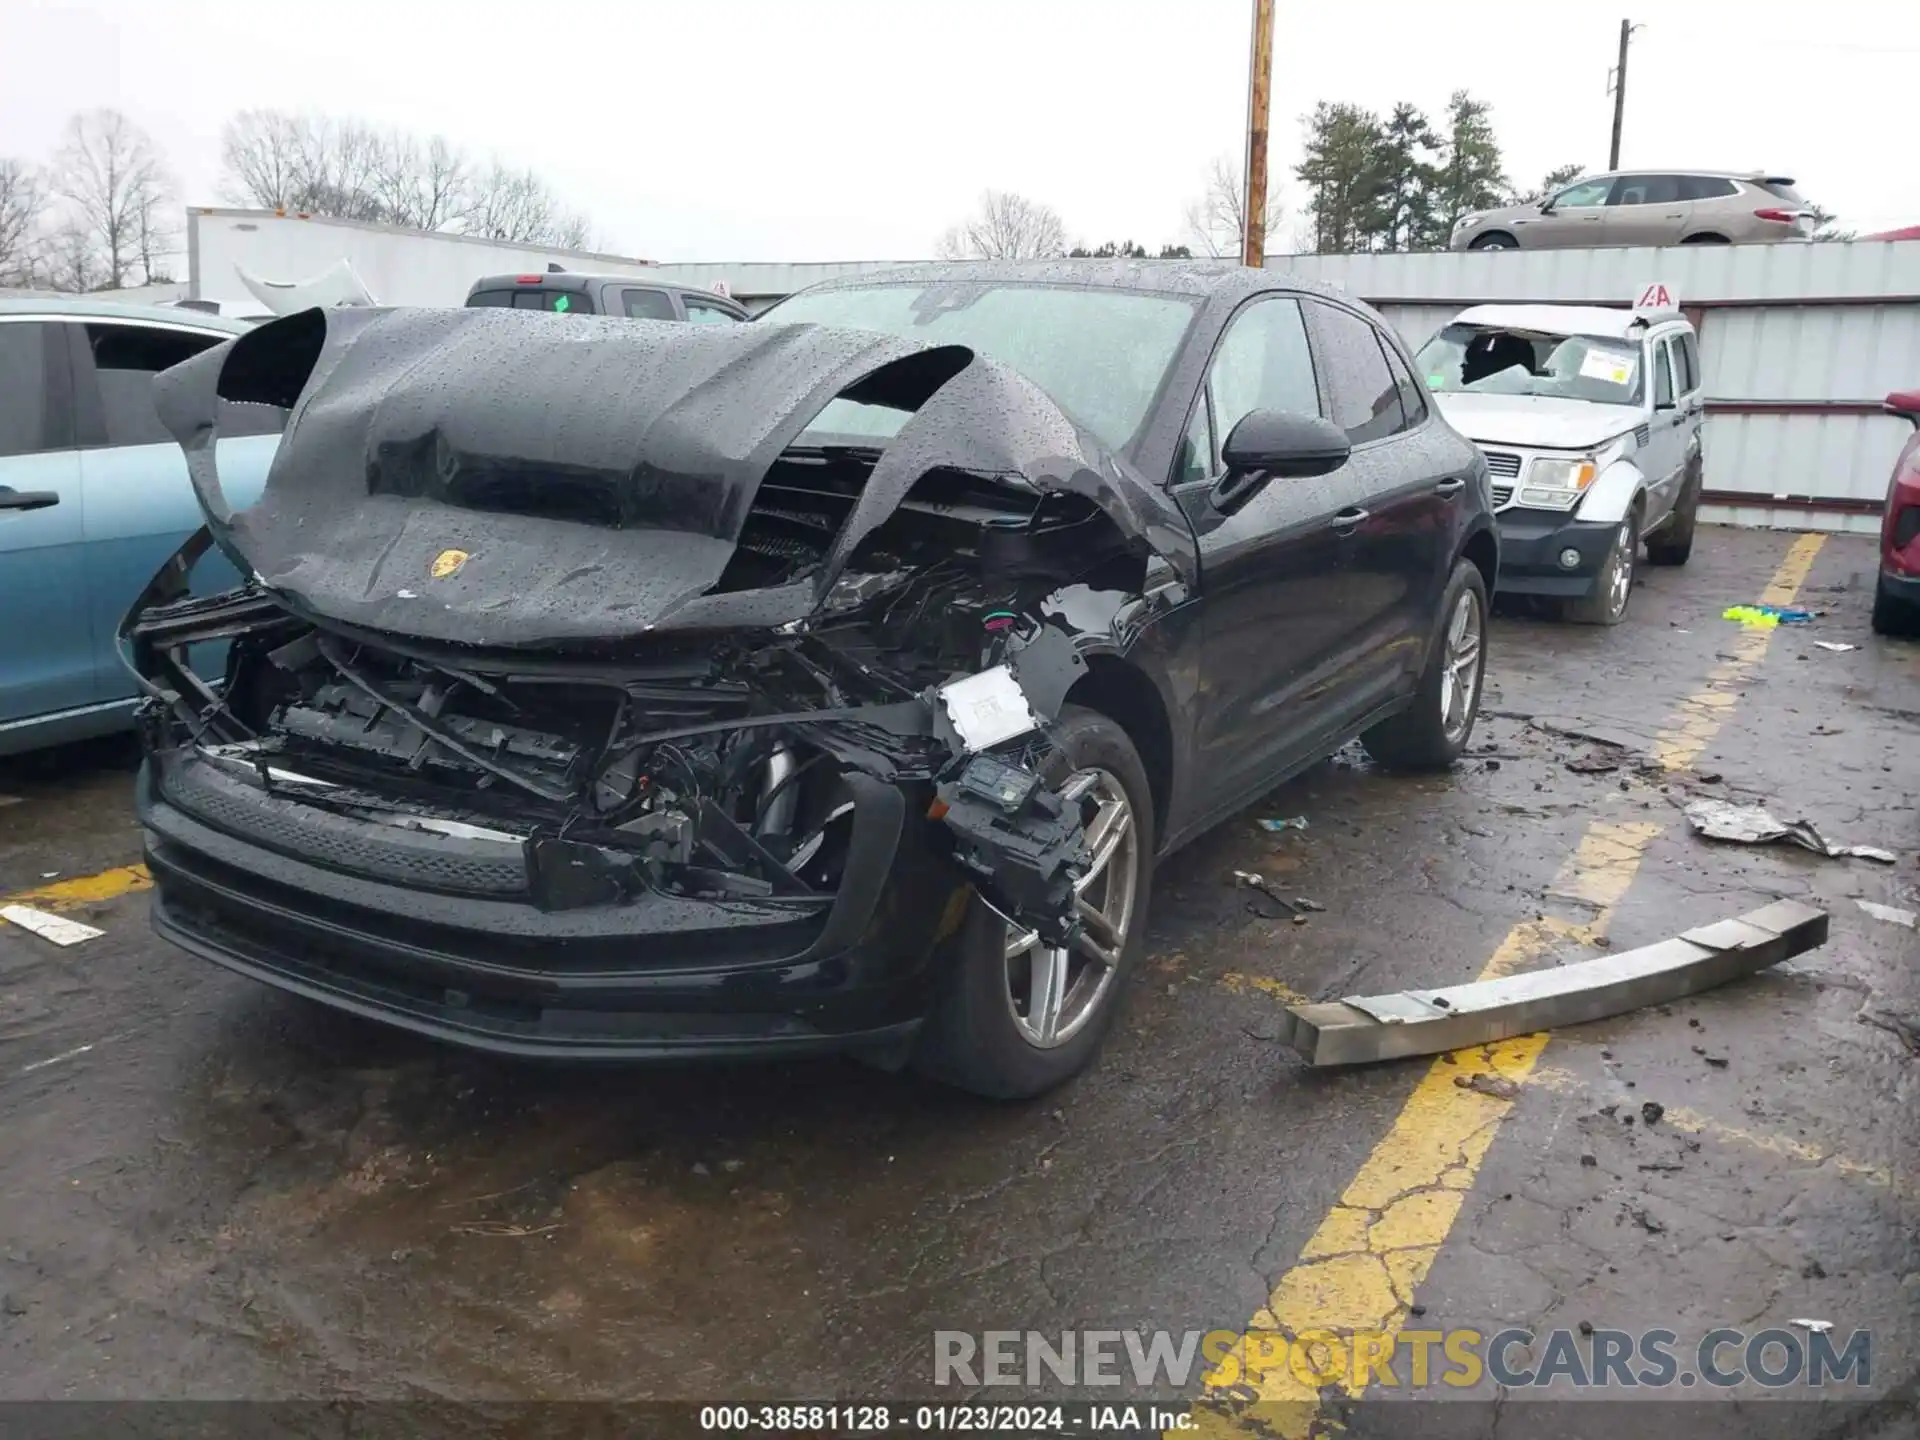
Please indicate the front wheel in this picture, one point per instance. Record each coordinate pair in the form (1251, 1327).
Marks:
(1432, 732)
(1493, 242)
(1013, 1016)
(1613, 586)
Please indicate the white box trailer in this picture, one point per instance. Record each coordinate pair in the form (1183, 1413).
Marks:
(396, 266)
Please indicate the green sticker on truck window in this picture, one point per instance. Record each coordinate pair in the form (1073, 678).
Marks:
(561, 302)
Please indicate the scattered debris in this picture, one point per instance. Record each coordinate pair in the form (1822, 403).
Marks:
(733, 1167)
(1589, 1161)
(1892, 914)
(1718, 1062)
(1292, 822)
(1662, 1165)
(1652, 1111)
(1288, 909)
(1818, 1327)
(1752, 825)
(56, 928)
(1813, 1270)
(700, 1168)
(1645, 1221)
(49, 874)
(1362, 1029)
(1838, 647)
(1903, 1028)
(1586, 1327)
(1497, 1086)
(1594, 764)
(12, 1304)
(1765, 617)
(500, 1229)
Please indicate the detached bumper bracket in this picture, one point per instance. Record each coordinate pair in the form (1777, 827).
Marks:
(1361, 1029)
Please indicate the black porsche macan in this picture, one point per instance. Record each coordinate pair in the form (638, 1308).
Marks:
(610, 689)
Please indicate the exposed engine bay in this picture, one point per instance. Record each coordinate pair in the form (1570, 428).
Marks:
(551, 664)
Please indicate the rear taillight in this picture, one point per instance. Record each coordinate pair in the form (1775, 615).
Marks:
(536, 279)
(1779, 217)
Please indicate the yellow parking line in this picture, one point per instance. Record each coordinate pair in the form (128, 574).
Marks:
(86, 889)
(1359, 1270)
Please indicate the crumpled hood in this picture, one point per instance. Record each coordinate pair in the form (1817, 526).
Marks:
(1535, 421)
(500, 478)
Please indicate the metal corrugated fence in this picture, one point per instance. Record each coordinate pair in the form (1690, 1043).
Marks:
(1799, 344)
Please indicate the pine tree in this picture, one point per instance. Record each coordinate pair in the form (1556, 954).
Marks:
(1472, 175)
(1344, 173)
(1408, 177)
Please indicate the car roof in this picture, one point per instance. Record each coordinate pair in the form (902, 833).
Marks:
(1569, 319)
(81, 308)
(1755, 176)
(1201, 279)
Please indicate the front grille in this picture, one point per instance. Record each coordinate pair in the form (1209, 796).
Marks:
(1504, 464)
(341, 842)
(1501, 495)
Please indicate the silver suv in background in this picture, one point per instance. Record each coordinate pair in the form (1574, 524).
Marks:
(1646, 207)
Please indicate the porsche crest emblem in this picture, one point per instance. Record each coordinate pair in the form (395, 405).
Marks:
(448, 562)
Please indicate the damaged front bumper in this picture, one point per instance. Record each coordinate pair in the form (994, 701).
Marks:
(334, 824)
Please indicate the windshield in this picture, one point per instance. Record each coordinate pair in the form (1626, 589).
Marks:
(1485, 360)
(1099, 354)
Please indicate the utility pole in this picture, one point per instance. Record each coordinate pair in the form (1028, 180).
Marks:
(1253, 248)
(1627, 27)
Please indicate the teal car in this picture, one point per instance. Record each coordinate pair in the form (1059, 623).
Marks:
(94, 497)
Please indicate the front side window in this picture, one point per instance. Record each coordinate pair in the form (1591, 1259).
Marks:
(1492, 360)
(699, 312)
(1583, 192)
(1101, 355)
(24, 399)
(1263, 363)
(125, 360)
(1646, 190)
(1361, 394)
(1198, 458)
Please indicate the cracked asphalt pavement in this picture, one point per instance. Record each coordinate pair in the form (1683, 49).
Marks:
(213, 1190)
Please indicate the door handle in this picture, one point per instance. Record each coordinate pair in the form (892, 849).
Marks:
(1348, 520)
(28, 499)
(1450, 486)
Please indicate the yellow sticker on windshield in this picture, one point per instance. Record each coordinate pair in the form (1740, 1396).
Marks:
(1608, 366)
(448, 562)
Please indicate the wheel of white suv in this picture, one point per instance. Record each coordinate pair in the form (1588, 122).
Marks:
(1013, 1016)
(1606, 604)
(1432, 732)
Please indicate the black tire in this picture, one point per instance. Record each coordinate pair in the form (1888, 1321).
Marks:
(1706, 240)
(1893, 616)
(1498, 240)
(1419, 737)
(1605, 606)
(972, 1039)
(1672, 544)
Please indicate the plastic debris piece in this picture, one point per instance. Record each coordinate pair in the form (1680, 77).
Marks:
(57, 928)
(1892, 914)
(1292, 822)
(1839, 647)
(1765, 617)
(1818, 1327)
(1752, 825)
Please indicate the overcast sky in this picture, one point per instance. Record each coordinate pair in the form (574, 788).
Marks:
(855, 129)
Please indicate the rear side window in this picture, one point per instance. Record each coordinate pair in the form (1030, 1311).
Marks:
(1781, 190)
(1646, 190)
(1413, 400)
(491, 297)
(647, 305)
(558, 302)
(1662, 377)
(1363, 397)
(25, 402)
(1690, 362)
(1706, 187)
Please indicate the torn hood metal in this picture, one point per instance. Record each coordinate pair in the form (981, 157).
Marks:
(506, 479)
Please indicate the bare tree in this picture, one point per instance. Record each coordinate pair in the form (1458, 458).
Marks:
(22, 196)
(1006, 227)
(72, 260)
(428, 187)
(518, 205)
(112, 174)
(262, 159)
(1217, 221)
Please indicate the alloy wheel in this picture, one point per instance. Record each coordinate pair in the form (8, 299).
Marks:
(1054, 990)
(1619, 577)
(1460, 667)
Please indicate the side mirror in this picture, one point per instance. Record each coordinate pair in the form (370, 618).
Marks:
(1546, 206)
(1277, 444)
(1905, 404)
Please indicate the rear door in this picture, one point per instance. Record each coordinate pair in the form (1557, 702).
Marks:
(1647, 210)
(1271, 571)
(1667, 443)
(1398, 545)
(139, 503)
(46, 647)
